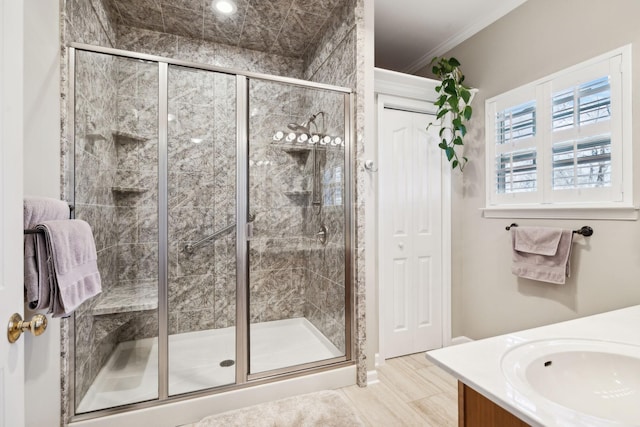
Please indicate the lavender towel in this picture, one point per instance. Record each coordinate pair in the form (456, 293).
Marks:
(72, 262)
(36, 271)
(541, 253)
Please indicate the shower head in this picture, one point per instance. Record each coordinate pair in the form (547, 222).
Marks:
(305, 126)
(299, 127)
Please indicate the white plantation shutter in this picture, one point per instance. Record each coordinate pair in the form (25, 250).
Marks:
(513, 144)
(515, 158)
(560, 141)
(583, 166)
(516, 172)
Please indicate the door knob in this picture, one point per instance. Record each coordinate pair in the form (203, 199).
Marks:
(17, 326)
(401, 245)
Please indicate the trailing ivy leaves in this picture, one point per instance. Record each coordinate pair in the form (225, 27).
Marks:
(453, 108)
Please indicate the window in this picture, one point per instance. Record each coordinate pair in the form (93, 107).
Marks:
(563, 141)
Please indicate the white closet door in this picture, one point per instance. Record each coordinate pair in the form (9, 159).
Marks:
(410, 263)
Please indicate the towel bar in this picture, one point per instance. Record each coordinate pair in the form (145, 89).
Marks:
(585, 230)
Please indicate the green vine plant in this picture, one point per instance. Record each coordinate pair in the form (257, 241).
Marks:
(453, 108)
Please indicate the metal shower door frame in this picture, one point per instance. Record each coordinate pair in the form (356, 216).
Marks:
(349, 239)
(243, 379)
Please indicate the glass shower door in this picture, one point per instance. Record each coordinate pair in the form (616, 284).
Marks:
(297, 213)
(220, 213)
(116, 192)
(201, 221)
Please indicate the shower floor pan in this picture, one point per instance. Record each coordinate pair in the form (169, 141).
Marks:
(131, 373)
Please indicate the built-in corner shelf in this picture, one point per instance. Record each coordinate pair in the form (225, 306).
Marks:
(300, 153)
(95, 136)
(293, 149)
(123, 299)
(299, 197)
(119, 135)
(129, 190)
(296, 149)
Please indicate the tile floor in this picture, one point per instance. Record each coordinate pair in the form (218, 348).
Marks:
(411, 392)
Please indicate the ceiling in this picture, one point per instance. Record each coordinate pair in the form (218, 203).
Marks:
(285, 27)
(409, 33)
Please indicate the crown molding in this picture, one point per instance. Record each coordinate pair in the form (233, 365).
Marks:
(463, 35)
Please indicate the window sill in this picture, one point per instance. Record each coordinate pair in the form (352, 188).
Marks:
(614, 213)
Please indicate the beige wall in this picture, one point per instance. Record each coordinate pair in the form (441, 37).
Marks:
(537, 39)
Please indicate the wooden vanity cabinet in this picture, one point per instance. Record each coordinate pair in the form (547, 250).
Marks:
(475, 410)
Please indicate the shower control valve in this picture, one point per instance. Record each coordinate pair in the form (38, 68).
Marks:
(322, 234)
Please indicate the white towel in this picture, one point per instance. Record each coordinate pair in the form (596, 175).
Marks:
(36, 270)
(72, 262)
(541, 253)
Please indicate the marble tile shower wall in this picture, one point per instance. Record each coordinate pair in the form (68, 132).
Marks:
(95, 166)
(292, 274)
(279, 195)
(136, 196)
(332, 62)
(86, 21)
(202, 178)
(338, 28)
(202, 164)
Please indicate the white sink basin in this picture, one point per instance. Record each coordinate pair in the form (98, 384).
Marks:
(590, 381)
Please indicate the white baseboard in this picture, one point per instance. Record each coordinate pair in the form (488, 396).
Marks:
(460, 340)
(372, 377)
(378, 360)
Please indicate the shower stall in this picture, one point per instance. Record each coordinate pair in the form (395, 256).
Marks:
(220, 202)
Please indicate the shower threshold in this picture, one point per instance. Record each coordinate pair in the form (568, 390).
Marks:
(131, 373)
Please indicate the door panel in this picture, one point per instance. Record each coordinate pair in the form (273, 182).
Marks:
(400, 157)
(114, 165)
(296, 211)
(410, 234)
(424, 313)
(424, 192)
(201, 222)
(400, 294)
(11, 289)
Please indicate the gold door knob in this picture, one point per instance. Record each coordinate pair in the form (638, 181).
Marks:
(17, 326)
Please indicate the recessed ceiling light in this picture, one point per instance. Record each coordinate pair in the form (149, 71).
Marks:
(224, 6)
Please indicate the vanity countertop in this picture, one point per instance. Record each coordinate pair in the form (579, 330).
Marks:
(478, 364)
